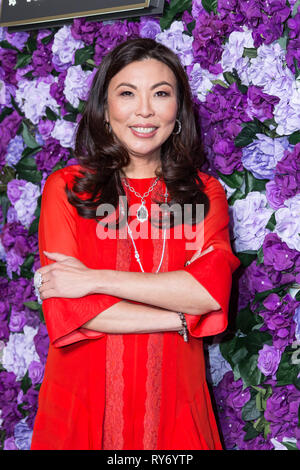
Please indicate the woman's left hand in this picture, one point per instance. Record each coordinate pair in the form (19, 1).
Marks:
(67, 277)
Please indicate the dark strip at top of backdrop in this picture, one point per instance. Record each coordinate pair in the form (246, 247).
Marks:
(37, 14)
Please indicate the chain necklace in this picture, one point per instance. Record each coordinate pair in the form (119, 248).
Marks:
(136, 253)
(142, 211)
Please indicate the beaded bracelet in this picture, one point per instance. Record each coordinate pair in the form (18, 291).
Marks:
(184, 331)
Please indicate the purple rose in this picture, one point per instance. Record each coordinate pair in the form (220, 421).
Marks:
(149, 27)
(36, 372)
(17, 320)
(9, 444)
(277, 254)
(260, 104)
(268, 360)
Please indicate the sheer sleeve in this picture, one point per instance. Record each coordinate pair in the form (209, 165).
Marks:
(214, 269)
(58, 233)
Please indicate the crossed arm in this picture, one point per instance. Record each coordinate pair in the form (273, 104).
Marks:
(161, 295)
(164, 293)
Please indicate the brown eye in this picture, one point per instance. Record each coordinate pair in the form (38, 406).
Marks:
(163, 93)
(126, 93)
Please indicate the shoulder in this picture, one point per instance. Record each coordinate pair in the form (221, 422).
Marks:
(64, 175)
(211, 184)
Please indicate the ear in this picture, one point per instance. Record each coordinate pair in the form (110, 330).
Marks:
(106, 117)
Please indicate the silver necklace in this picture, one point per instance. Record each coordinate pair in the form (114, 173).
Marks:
(136, 253)
(142, 212)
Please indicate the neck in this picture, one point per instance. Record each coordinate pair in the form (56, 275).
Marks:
(140, 169)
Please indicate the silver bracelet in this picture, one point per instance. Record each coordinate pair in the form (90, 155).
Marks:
(184, 331)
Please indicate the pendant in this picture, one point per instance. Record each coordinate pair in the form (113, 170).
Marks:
(142, 213)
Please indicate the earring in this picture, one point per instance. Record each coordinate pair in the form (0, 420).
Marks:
(179, 127)
(107, 126)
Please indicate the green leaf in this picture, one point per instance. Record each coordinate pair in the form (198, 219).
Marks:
(262, 396)
(249, 411)
(81, 106)
(46, 40)
(28, 263)
(250, 52)
(255, 341)
(238, 194)
(190, 26)
(29, 140)
(235, 180)
(7, 174)
(33, 228)
(297, 297)
(5, 203)
(229, 348)
(26, 163)
(295, 8)
(260, 256)
(210, 5)
(72, 117)
(6, 112)
(294, 138)
(6, 45)
(15, 105)
(219, 82)
(251, 432)
(290, 445)
(297, 71)
(32, 43)
(238, 355)
(32, 305)
(91, 62)
(248, 133)
(229, 77)
(28, 152)
(172, 10)
(51, 114)
(253, 184)
(287, 372)
(246, 320)
(26, 382)
(246, 257)
(22, 60)
(271, 222)
(232, 77)
(83, 54)
(250, 373)
(262, 425)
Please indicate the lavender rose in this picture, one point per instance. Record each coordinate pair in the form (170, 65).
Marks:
(268, 360)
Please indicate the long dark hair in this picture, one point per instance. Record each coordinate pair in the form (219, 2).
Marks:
(102, 156)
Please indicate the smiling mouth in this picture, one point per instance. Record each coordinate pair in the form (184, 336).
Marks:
(144, 130)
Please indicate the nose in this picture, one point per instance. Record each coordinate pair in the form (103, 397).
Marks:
(144, 106)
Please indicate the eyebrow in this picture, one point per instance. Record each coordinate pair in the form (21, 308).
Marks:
(153, 86)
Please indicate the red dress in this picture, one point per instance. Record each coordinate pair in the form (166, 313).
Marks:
(131, 391)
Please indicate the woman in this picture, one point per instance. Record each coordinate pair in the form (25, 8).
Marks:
(118, 374)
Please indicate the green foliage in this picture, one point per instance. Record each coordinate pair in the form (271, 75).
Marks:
(172, 10)
(83, 54)
(210, 5)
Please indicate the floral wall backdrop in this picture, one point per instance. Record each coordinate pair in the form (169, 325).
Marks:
(243, 61)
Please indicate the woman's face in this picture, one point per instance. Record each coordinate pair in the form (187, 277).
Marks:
(142, 107)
